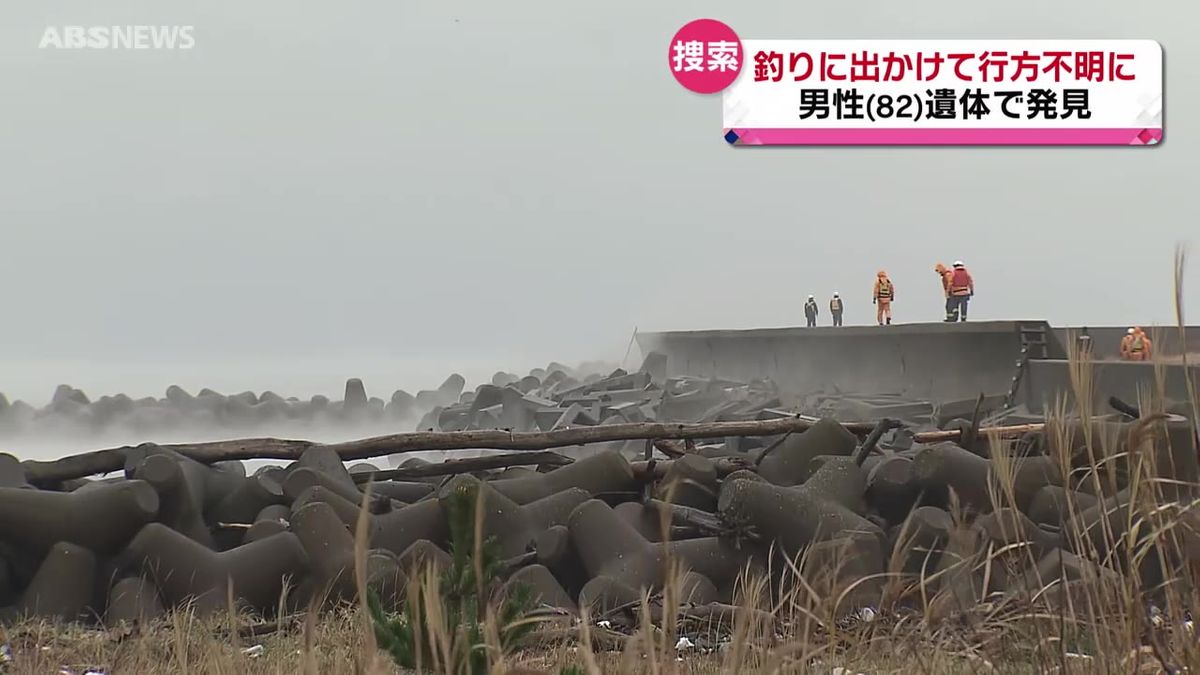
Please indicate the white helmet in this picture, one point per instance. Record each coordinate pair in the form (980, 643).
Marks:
(958, 263)
(1130, 331)
(835, 294)
(810, 297)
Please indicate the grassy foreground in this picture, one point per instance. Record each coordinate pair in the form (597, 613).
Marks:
(335, 644)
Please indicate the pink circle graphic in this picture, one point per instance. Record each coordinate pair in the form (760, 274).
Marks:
(705, 56)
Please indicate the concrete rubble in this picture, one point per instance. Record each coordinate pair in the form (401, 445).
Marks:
(555, 397)
(596, 532)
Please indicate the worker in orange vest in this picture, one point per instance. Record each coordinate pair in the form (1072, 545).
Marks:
(946, 275)
(1139, 347)
(1126, 341)
(885, 293)
(962, 288)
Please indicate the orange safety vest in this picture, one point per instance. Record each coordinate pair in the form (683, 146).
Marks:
(960, 283)
(883, 290)
(1137, 344)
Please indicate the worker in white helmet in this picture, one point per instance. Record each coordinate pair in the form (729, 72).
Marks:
(810, 311)
(1125, 342)
(1136, 345)
(835, 308)
(1084, 343)
(962, 289)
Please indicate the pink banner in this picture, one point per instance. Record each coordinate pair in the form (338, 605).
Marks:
(927, 136)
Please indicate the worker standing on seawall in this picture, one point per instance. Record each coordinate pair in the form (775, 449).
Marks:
(885, 293)
(962, 288)
(835, 308)
(1126, 341)
(946, 275)
(810, 311)
(1084, 343)
(1139, 345)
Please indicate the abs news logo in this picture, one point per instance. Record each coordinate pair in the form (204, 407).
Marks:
(118, 37)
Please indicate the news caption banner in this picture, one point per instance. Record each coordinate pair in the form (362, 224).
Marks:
(928, 92)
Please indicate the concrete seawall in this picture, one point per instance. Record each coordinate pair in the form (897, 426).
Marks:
(1106, 340)
(933, 361)
(940, 363)
(1049, 382)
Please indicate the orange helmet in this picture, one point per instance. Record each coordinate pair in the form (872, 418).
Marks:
(882, 273)
(940, 268)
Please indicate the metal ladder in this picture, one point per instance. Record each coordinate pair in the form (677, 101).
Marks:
(1033, 341)
(1033, 346)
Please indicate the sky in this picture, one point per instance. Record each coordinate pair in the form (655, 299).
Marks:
(397, 191)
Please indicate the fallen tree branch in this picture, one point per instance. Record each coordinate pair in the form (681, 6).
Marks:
(703, 522)
(106, 461)
(972, 434)
(655, 470)
(770, 448)
(868, 446)
(467, 465)
(1014, 431)
(42, 473)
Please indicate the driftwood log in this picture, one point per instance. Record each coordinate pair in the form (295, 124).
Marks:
(451, 467)
(113, 459)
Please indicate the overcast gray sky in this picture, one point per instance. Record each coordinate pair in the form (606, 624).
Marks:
(394, 191)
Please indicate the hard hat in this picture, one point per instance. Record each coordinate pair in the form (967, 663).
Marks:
(882, 273)
(1131, 331)
(958, 263)
(835, 294)
(810, 297)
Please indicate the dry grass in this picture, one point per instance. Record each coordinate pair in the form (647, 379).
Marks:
(183, 644)
(337, 646)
